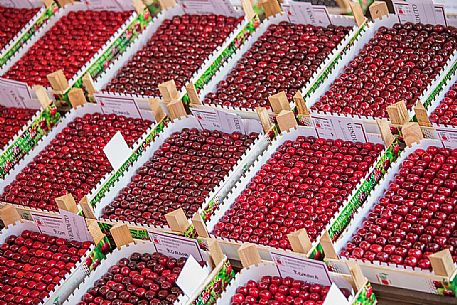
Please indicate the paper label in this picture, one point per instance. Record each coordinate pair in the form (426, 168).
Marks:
(306, 13)
(144, 109)
(176, 246)
(109, 5)
(339, 128)
(191, 277)
(50, 224)
(214, 119)
(416, 11)
(76, 226)
(21, 3)
(448, 137)
(16, 94)
(300, 268)
(118, 105)
(117, 151)
(202, 7)
(440, 15)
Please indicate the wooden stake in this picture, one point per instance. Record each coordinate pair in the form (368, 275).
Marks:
(442, 263)
(9, 215)
(88, 83)
(412, 133)
(67, 203)
(386, 133)
(302, 109)
(378, 9)
(121, 235)
(286, 120)
(200, 226)
(94, 230)
(249, 255)
(177, 221)
(327, 245)
(357, 12)
(264, 118)
(59, 82)
(62, 3)
(343, 5)
(77, 97)
(193, 95)
(215, 251)
(139, 6)
(169, 91)
(88, 211)
(166, 4)
(421, 115)
(279, 102)
(398, 114)
(359, 279)
(176, 110)
(42, 96)
(300, 241)
(248, 9)
(159, 114)
(270, 7)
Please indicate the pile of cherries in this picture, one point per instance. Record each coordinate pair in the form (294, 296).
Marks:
(446, 112)
(417, 215)
(74, 161)
(302, 185)
(180, 174)
(12, 120)
(68, 45)
(176, 51)
(397, 64)
(275, 290)
(33, 264)
(142, 279)
(12, 21)
(283, 59)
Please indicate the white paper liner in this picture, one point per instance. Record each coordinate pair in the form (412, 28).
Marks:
(368, 33)
(21, 3)
(231, 63)
(68, 283)
(46, 140)
(224, 186)
(76, 6)
(110, 260)
(230, 199)
(360, 215)
(141, 41)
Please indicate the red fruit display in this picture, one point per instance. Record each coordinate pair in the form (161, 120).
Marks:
(446, 112)
(302, 185)
(74, 162)
(180, 174)
(284, 58)
(141, 279)
(416, 216)
(12, 21)
(33, 264)
(176, 51)
(277, 290)
(68, 45)
(397, 64)
(12, 120)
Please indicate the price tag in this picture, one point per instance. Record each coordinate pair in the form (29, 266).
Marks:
(76, 226)
(202, 7)
(118, 105)
(117, 151)
(176, 246)
(416, 11)
(16, 94)
(109, 5)
(50, 224)
(301, 268)
(214, 119)
(339, 127)
(448, 137)
(306, 13)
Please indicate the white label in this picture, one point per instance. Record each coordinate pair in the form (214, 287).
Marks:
(339, 128)
(191, 277)
(76, 226)
(109, 5)
(214, 119)
(335, 296)
(21, 3)
(440, 15)
(450, 6)
(448, 137)
(144, 109)
(16, 94)
(251, 125)
(118, 105)
(50, 224)
(306, 13)
(416, 11)
(202, 7)
(301, 268)
(117, 151)
(176, 246)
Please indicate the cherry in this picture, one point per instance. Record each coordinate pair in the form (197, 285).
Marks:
(446, 112)
(12, 119)
(12, 21)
